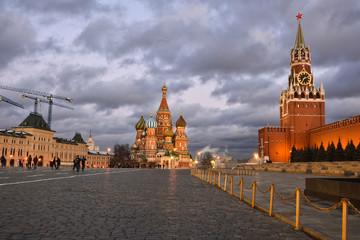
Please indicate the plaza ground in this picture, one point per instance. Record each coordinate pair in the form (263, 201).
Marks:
(126, 204)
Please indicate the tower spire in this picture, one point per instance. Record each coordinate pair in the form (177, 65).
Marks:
(300, 41)
(163, 105)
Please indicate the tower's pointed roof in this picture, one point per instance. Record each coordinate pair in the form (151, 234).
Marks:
(163, 105)
(35, 120)
(299, 41)
(78, 138)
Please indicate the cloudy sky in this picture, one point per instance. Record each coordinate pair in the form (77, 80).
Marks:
(224, 63)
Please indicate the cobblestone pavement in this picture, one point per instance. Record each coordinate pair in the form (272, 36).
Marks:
(327, 224)
(126, 204)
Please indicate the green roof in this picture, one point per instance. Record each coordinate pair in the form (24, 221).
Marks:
(78, 138)
(300, 41)
(35, 120)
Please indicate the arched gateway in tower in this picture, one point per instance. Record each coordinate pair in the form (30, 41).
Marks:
(158, 143)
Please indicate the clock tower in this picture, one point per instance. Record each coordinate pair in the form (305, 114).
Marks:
(302, 105)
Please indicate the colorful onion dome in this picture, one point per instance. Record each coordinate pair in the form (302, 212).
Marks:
(134, 147)
(140, 125)
(151, 123)
(168, 133)
(180, 122)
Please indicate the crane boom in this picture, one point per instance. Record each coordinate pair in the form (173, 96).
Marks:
(38, 93)
(50, 97)
(5, 99)
(37, 100)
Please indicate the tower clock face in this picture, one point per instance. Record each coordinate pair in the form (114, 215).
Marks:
(304, 78)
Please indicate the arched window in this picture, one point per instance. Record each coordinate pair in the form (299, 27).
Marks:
(317, 95)
(296, 95)
(302, 95)
(296, 53)
(311, 95)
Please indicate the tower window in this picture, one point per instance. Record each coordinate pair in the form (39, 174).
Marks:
(298, 105)
(307, 106)
(315, 106)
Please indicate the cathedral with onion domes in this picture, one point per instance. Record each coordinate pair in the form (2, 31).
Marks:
(158, 143)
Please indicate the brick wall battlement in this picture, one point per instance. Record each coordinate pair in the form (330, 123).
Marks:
(336, 125)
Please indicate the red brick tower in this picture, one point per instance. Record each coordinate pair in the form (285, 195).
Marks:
(163, 118)
(302, 106)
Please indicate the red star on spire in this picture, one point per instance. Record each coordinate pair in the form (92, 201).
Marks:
(299, 16)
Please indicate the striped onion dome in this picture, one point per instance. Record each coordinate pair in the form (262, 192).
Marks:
(180, 122)
(168, 133)
(140, 125)
(151, 123)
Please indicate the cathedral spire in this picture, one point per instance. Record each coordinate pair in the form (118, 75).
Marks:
(299, 42)
(163, 105)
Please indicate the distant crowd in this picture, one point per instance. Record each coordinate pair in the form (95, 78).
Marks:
(32, 163)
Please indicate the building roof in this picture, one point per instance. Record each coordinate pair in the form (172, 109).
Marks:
(99, 153)
(78, 138)
(35, 120)
(65, 141)
(299, 41)
(12, 133)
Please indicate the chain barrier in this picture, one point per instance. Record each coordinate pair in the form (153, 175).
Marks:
(319, 208)
(354, 208)
(237, 184)
(262, 190)
(345, 203)
(251, 186)
(284, 198)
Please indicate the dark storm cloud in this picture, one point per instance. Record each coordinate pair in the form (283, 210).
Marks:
(254, 91)
(345, 83)
(68, 7)
(17, 37)
(241, 47)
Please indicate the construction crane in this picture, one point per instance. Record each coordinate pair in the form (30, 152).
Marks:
(49, 96)
(5, 99)
(37, 100)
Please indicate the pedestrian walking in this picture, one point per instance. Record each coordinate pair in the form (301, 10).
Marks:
(57, 163)
(52, 163)
(22, 162)
(77, 163)
(3, 161)
(35, 162)
(83, 159)
(29, 159)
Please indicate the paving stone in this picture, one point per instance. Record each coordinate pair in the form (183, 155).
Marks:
(127, 204)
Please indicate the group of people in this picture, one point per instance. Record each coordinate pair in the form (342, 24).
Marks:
(77, 161)
(55, 163)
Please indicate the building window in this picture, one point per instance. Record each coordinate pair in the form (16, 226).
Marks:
(307, 106)
(298, 105)
(315, 106)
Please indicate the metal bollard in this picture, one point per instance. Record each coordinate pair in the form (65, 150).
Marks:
(231, 189)
(297, 226)
(225, 182)
(219, 179)
(241, 188)
(271, 199)
(253, 195)
(344, 218)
